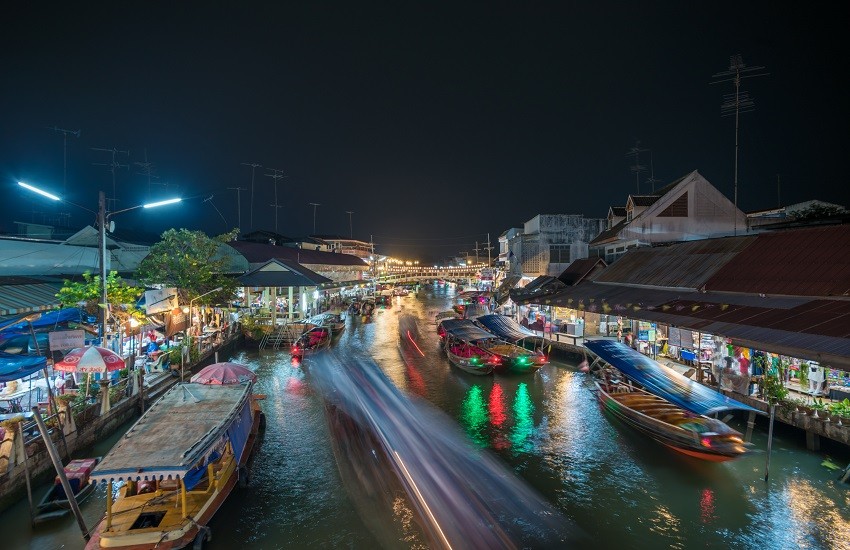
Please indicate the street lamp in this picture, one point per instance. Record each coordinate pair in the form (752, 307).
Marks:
(102, 220)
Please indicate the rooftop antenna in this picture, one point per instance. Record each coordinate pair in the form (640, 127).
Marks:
(350, 225)
(112, 167)
(275, 175)
(65, 133)
(637, 167)
(736, 103)
(238, 204)
(652, 180)
(209, 200)
(314, 205)
(148, 170)
(254, 167)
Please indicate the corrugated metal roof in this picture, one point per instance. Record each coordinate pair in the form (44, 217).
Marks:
(259, 252)
(26, 298)
(686, 265)
(579, 270)
(280, 273)
(801, 262)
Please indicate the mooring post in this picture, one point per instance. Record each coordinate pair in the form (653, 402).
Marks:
(26, 470)
(769, 441)
(751, 422)
(54, 457)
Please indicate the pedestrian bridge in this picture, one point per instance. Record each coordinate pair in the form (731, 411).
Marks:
(457, 274)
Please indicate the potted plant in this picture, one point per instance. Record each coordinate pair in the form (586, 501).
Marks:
(819, 406)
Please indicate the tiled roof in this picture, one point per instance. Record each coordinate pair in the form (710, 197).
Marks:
(609, 235)
(618, 211)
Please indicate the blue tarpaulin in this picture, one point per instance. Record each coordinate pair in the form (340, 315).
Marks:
(13, 367)
(504, 327)
(49, 319)
(663, 381)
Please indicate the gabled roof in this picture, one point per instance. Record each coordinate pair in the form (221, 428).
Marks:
(609, 234)
(259, 252)
(617, 211)
(263, 236)
(643, 200)
(282, 273)
(580, 269)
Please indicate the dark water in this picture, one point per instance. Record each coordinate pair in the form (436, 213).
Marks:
(623, 491)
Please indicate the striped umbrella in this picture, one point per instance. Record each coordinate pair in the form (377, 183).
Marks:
(90, 359)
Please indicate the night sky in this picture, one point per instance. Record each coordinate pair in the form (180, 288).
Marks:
(434, 123)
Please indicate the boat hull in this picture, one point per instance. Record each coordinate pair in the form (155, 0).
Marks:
(663, 421)
(184, 534)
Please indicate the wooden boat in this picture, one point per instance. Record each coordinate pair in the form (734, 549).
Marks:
(55, 503)
(665, 406)
(328, 319)
(460, 342)
(179, 463)
(313, 340)
(512, 358)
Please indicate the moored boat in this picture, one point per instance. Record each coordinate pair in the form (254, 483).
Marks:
(462, 344)
(329, 319)
(512, 358)
(665, 406)
(55, 502)
(178, 464)
(313, 340)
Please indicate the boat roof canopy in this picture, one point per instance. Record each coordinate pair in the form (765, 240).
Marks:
(464, 329)
(175, 434)
(505, 327)
(663, 381)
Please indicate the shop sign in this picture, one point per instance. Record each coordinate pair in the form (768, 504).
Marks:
(66, 339)
(160, 300)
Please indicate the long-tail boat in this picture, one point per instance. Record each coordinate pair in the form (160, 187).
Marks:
(663, 404)
(177, 465)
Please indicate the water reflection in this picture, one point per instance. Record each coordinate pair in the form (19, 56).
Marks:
(410, 456)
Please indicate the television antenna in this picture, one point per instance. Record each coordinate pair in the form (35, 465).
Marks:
(254, 167)
(113, 166)
(275, 175)
(314, 205)
(148, 170)
(736, 103)
(637, 167)
(65, 133)
(350, 225)
(238, 204)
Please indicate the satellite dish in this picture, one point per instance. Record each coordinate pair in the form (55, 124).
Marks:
(111, 226)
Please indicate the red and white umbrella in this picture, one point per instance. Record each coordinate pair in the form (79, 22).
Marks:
(224, 374)
(90, 359)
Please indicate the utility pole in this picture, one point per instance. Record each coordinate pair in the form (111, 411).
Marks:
(112, 167)
(637, 167)
(275, 175)
(350, 226)
(488, 248)
(736, 103)
(238, 204)
(315, 205)
(254, 167)
(476, 252)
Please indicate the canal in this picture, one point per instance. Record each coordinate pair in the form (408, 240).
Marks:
(622, 490)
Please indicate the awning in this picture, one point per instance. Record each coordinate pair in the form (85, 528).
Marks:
(502, 292)
(27, 298)
(466, 330)
(13, 367)
(663, 381)
(505, 327)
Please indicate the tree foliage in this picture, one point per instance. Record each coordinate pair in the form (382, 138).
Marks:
(818, 212)
(191, 262)
(122, 297)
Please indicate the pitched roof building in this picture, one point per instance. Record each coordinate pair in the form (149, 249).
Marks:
(690, 208)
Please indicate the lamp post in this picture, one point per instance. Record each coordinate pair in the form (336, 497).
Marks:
(102, 219)
(219, 289)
